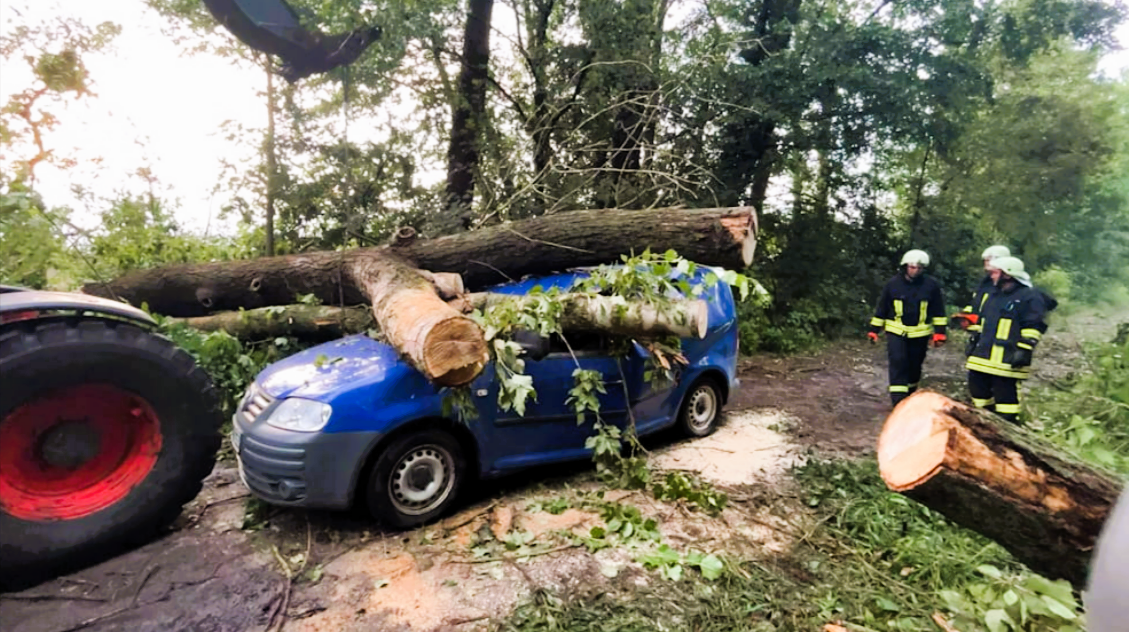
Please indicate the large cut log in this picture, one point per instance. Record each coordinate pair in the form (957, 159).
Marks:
(723, 237)
(998, 479)
(300, 321)
(440, 341)
(612, 314)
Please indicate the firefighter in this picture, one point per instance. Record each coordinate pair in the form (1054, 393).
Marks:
(911, 310)
(999, 355)
(967, 318)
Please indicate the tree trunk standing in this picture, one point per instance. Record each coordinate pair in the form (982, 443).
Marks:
(272, 167)
(724, 237)
(997, 479)
(469, 111)
(749, 156)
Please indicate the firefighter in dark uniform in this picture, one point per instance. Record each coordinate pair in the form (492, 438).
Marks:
(911, 310)
(1012, 321)
(967, 318)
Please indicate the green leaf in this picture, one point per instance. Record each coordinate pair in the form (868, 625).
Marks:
(672, 572)
(990, 571)
(1056, 607)
(1060, 589)
(997, 620)
(887, 605)
(711, 566)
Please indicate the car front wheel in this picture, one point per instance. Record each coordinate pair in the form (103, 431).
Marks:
(416, 478)
(701, 410)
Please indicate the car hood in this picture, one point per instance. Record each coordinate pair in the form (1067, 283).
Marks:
(320, 372)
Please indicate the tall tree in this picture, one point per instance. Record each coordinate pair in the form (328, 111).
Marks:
(469, 111)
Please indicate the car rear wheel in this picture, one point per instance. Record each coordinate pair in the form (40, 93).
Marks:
(106, 431)
(416, 478)
(701, 409)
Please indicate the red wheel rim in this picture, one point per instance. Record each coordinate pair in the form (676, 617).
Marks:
(75, 451)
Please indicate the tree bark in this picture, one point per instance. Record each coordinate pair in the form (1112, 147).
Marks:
(581, 313)
(439, 341)
(613, 315)
(724, 237)
(996, 478)
(301, 321)
(469, 110)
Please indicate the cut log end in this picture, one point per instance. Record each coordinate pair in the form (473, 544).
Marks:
(915, 440)
(1043, 505)
(702, 318)
(455, 352)
(743, 227)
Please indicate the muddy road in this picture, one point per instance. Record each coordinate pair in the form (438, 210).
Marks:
(235, 565)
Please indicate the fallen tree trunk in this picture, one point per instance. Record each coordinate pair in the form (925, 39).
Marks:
(614, 315)
(993, 477)
(717, 237)
(581, 313)
(302, 321)
(724, 237)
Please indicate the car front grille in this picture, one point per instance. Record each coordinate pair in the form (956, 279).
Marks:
(254, 403)
(274, 472)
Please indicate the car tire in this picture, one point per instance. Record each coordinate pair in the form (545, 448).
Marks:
(701, 408)
(416, 478)
(106, 431)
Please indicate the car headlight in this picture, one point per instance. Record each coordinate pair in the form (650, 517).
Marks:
(302, 415)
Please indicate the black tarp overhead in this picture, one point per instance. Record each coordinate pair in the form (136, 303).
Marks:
(272, 26)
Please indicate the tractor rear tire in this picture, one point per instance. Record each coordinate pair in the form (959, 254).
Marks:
(106, 431)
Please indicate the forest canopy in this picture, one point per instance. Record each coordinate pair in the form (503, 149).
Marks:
(855, 129)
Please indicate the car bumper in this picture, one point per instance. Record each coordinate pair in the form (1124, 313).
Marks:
(300, 469)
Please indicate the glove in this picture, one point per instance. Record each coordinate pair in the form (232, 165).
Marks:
(938, 340)
(873, 337)
(964, 319)
(1020, 357)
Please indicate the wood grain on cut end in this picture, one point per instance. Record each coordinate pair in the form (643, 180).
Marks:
(743, 227)
(986, 474)
(455, 350)
(914, 441)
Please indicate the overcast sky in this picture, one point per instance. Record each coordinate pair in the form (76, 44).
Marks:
(160, 107)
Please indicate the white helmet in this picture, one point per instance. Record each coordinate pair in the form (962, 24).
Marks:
(1013, 267)
(995, 252)
(916, 257)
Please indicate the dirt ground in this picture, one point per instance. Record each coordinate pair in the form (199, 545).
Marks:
(225, 567)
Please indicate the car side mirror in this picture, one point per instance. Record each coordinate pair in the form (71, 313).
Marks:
(533, 345)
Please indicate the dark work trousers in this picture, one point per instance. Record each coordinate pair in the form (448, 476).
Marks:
(995, 393)
(904, 357)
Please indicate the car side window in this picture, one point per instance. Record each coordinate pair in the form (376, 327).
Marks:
(580, 343)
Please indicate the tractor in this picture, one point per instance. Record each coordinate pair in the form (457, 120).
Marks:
(107, 429)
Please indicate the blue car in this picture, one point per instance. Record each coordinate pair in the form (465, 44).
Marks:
(350, 421)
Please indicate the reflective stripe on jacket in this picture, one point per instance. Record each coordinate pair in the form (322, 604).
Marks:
(913, 309)
(979, 297)
(1011, 319)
